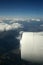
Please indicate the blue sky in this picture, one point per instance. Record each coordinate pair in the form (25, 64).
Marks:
(21, 8)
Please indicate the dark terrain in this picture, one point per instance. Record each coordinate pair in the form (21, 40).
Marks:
(14, 59)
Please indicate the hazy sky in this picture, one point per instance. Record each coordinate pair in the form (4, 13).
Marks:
(21, 8)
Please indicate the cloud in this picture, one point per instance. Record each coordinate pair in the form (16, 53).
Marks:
(35, 19)
(41, 25)
(20, 35)
(13, 19)
(8, 23)
(4, 26)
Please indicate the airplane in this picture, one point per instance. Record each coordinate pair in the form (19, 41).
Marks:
(31, 46)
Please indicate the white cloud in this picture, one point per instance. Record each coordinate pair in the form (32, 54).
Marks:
(26, 19)
(20, 35)
(35, 19)
(18, 19)
(17, 25)
(4, 26)
(41, 25)
(12, 23)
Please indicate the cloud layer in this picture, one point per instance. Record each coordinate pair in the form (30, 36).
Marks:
(9, 23)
